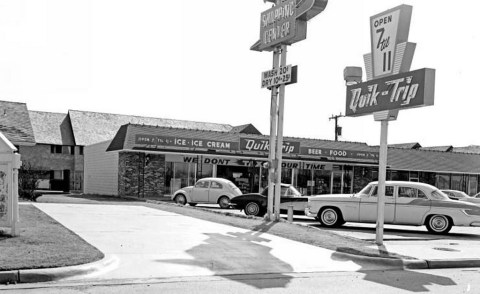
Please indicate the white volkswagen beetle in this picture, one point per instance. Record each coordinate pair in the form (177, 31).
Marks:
(406, 203)
(208, 190)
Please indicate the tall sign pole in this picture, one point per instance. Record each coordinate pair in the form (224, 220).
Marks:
(273, 132)
(283, 24)
(390, 86)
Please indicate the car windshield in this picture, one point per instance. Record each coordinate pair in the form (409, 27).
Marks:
(234, 188)
(365, 191)
(439, 195)
(290, 191)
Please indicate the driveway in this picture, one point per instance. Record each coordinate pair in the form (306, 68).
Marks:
(151, 243)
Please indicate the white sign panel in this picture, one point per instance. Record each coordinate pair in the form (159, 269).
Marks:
(384, 34)
(387, 30)
(277, 76)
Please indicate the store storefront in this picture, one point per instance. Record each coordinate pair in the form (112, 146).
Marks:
(156, 161)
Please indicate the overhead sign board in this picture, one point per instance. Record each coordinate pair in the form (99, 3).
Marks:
(286, 23)
(387, 29)
(340, 154)
(263, 145)
(154, 141)
(277, 76)
(405, 90)
(277, 24)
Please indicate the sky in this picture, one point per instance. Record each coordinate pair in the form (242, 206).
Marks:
(191, 60)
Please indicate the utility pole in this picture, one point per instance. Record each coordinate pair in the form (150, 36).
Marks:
(338, 130)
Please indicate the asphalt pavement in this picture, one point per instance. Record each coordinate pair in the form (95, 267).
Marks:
(142, 242)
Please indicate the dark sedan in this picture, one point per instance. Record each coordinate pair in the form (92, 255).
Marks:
(256, 203)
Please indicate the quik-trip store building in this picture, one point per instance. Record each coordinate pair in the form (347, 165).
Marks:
(149, 161)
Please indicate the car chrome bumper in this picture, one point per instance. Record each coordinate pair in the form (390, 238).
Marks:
(309, 214)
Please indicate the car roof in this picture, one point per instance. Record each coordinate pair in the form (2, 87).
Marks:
(407, 183)
(214, 179)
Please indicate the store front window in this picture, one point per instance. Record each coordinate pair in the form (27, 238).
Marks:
(472, 185)
(457, 182)
(322, 182)
(179, 175)
(427, 178)
(442, 181)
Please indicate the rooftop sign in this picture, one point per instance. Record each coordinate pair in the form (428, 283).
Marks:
(154, 141)
(405, 90)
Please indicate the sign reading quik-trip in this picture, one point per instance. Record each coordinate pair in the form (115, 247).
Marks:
(405, 90)
(261, 145)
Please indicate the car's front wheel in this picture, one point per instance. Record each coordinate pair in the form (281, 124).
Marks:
(180, 199)
(224, 202)
(330, 217)
(253, 208)
(438, 224)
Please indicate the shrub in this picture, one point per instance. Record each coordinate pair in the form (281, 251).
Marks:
(28, 178)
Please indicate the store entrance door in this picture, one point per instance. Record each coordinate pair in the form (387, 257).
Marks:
(337, 182)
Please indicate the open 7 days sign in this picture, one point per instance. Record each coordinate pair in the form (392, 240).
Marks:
(405, 90)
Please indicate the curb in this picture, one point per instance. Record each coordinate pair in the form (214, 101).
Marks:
(59, 273)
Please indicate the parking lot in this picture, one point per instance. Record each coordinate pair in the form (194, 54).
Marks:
(460, 241)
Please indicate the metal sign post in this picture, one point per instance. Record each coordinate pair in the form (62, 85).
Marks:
(281, 25)
(273, 132)
(390, 85)
(281, 104)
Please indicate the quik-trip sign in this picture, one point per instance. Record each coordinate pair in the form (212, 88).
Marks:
(261, 145)
(405, 90)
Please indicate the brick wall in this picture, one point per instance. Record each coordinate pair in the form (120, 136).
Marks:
(141, 175)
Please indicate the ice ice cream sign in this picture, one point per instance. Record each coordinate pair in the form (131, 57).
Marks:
(406, 90)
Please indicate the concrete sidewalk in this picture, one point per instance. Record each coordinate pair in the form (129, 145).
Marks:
(141, 242)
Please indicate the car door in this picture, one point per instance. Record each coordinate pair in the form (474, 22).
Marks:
(368, 206)
(216, 190)
(200, 191)
(411, 206)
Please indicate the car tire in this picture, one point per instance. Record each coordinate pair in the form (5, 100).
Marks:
(438, 224)
(253, 208)
(224, 202)
(180, 199)
(330, 217)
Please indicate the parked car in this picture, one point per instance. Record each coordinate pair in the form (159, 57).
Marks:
(460, 195)
(406, 203)
(208, 190)
(256, 203)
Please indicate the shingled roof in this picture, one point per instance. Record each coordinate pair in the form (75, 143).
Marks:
(414, 145)
(15, 123)
(51, 128)
(435, 161)
(93, 127)
(468, 149)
